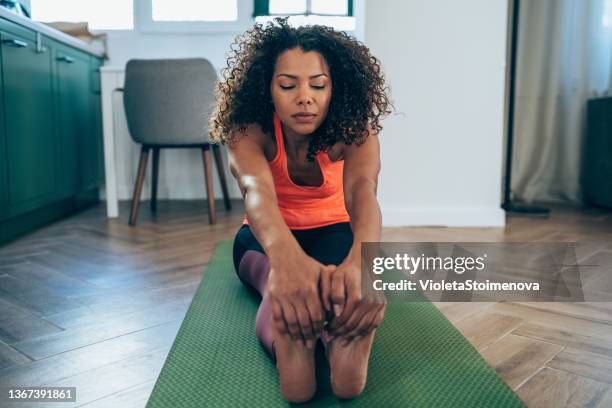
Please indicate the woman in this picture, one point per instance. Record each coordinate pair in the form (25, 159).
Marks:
(300, 109)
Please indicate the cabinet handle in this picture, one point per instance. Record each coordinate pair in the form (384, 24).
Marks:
(66, 59)
(15, 43)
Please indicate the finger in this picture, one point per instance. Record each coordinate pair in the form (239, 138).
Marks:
(338, 293)
(325, 283)
(352, 322)
(315, 312)
(379, 317)
(363, 327)
(304, 322)
(291, 321)
(353, 300)
(277, 316)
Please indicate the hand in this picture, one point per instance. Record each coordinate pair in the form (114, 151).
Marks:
(356, 314)
(294, 295)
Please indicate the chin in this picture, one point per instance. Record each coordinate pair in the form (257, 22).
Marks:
(304, 129)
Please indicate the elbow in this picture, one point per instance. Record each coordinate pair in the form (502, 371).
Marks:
(359, 191)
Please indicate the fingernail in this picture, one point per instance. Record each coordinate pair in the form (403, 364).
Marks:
(309, 344)
(298, 343)
(337, 310)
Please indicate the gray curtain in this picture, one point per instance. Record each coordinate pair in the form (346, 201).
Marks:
(564, 58)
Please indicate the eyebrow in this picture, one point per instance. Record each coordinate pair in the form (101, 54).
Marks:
(295, 76)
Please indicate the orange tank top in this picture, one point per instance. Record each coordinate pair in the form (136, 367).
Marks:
(305, 207)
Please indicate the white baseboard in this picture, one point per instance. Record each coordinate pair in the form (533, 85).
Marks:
(444, 217)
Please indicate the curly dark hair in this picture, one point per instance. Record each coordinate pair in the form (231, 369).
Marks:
(359, 96)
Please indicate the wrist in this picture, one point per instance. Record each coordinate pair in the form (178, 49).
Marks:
(280, 252)
(354, 255)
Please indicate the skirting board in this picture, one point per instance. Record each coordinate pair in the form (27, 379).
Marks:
(443, 217)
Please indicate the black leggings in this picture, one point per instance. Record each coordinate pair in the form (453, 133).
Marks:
(329, 244)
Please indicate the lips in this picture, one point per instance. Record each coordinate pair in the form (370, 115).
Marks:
(303, 117)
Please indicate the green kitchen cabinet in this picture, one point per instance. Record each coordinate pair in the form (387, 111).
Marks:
(73, 113)
(91, 151)
(31, 178)
(3, 164)
(50, 130)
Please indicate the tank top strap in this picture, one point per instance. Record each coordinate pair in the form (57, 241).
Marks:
(280, 144)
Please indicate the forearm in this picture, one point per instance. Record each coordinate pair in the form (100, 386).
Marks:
(268, 225)
(366, 219)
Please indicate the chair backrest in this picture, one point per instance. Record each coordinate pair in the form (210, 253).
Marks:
(169, 101)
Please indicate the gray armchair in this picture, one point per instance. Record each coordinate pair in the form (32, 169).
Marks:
(167, 105)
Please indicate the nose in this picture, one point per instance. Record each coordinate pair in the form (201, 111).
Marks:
(304, 98)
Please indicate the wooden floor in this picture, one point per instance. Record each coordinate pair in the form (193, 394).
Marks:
(93, 303)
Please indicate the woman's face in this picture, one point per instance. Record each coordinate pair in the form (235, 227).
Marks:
(301, 90)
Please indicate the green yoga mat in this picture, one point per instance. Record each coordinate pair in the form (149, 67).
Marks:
(418, 358)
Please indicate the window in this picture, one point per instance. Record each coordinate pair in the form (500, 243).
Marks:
(187, 10)
(334, 13)
(194, 16)
(101, 15)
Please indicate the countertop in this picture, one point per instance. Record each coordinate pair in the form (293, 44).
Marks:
(49, 32)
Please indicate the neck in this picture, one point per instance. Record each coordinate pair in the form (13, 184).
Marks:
(294, 142)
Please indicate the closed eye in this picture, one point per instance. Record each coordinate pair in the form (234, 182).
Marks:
(293, 86)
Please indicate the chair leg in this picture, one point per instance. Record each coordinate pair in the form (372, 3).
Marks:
(221, 171)
(154, 179)
(210, 195)
(142, 167)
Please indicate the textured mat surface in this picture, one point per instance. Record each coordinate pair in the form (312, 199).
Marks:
(418, 359)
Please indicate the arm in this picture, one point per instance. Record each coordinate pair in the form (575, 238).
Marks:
(361, 169)
(294, 276)
(354, 315)
(249, 167)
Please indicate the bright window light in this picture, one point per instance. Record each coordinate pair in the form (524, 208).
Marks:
(101, 15)
(337, 7)
(190, 10)
(338, 23)
(287, 7)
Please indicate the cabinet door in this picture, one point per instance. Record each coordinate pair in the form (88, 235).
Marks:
(3, 163)
(29, 124)
(73, 102)
(92, 171)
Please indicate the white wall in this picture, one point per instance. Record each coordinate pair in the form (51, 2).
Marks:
(442, 149)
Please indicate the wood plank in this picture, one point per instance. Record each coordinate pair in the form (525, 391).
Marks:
(132, 397)
(116, 377)
(82, 336)
(591, 365)
(60, 366)
(516, 358)
(554, 388)
(37, 299)
(484, 328)
(10, 357)
(590, 339)
(17, 324)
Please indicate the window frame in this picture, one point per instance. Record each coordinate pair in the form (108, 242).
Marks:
(143, 15)
(261, 8)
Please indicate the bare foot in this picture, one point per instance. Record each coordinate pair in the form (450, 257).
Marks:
(348, 365)
(296, 369)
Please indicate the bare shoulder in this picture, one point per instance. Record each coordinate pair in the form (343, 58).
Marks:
(369, 147)
(254, 137)
(336, 152)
